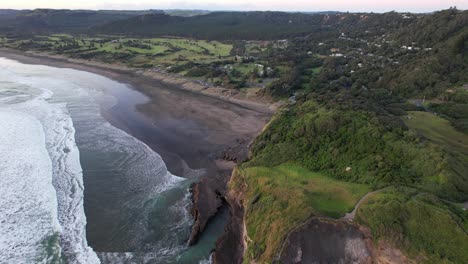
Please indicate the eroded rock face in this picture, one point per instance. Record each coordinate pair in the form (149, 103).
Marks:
(327, 241)
(207, 199)
(230, 247)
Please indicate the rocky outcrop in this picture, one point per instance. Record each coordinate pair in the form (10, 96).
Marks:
(207, 198)
(230, 247)
(323, 240)
(210, 192)
(238, 152)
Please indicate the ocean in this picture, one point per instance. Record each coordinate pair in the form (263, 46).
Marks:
(79, 190)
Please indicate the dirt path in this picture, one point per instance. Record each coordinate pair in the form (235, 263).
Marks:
(350, 216)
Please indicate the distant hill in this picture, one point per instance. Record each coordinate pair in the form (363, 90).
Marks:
(194, 23)
(217, 25)
(248, 25)
(185, 12)
(41, 21)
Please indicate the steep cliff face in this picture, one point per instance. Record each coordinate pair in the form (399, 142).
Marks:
(207, 199)
(322, 240)
(317, 240)
(230, 248)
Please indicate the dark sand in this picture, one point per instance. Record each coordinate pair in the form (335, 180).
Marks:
(178, 124)
(189, 130)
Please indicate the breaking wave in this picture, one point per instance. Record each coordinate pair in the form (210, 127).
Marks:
(46, 114)
(42, 183)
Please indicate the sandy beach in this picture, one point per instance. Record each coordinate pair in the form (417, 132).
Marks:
(208, 122)
(192, 128)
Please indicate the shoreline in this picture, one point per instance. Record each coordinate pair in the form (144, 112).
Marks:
(169, 80)
(241, 122)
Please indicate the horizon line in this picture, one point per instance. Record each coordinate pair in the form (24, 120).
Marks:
(231, 10)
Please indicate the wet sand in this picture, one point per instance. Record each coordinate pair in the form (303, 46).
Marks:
(190, 130)
(178, 124)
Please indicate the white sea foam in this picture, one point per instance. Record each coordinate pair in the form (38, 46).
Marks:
(63, 183)
(29, 205)
(48, 99)
(50, 184)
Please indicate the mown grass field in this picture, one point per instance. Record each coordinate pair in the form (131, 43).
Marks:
(206, 60)
(424, 227)
(161, 50)
(281, 197)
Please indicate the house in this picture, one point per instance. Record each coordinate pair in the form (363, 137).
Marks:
(337, 55)
(405, 16)
(269, 71)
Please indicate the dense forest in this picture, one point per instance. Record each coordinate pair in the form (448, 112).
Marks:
(202, 25)
(371, 102)
(377, 115)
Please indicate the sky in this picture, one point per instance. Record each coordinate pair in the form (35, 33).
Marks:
(277, 5)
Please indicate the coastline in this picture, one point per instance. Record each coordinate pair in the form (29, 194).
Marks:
(115, 71)
(233, 124)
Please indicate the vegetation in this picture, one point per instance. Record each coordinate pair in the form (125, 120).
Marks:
(211, 62)
(452, 142)
(351, 121)
(453, 105)
(346, 146)
(279, 198)
(372, 100)
(58, 21)
(201, 25)
(429, 229)
(359, 147)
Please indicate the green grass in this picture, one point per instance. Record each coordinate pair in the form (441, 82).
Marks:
(215, 48)
(191, 50)
(284, 196)
(183, 55)
(312, 71)
(330, 140)
(245, 68)
(279, 197)
(420, 224)
(253, 48)
(155, 49)
(438, 130)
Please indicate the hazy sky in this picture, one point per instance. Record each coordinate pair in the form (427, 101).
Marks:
(283, 5)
